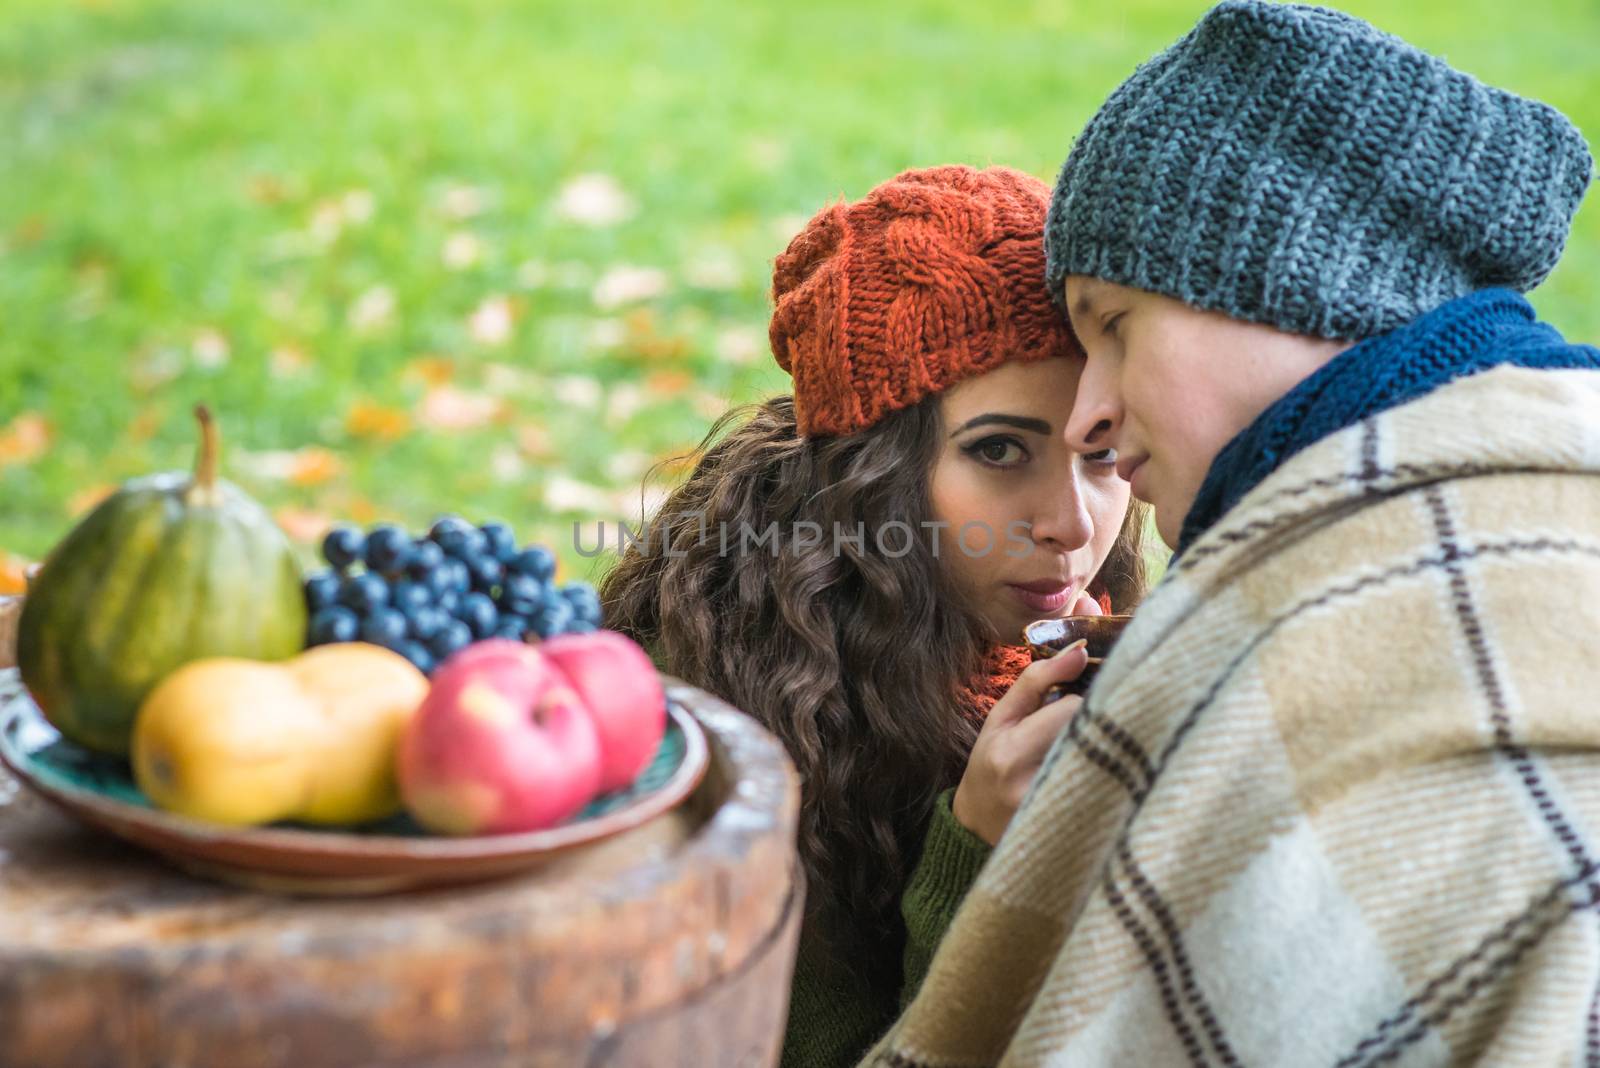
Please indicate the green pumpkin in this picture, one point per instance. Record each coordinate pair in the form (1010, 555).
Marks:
(168, 569)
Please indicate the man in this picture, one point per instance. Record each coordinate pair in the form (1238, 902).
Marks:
(1335, 797)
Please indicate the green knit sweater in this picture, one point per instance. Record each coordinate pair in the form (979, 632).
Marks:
(834, 1017)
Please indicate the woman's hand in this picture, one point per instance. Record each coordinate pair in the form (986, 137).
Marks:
(1013, 743)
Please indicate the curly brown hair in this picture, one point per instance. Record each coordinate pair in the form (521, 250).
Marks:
(855, 659)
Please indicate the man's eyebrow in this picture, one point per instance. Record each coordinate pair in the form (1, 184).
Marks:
(1021, 422)
(1084, 305)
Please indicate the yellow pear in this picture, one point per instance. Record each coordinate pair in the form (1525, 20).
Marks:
(311, 739)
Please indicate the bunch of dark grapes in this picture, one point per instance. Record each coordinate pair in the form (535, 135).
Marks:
(428, 597)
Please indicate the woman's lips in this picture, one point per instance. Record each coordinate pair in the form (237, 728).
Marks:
(1044, 602)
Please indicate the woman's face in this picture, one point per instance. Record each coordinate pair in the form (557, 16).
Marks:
(1026, 522)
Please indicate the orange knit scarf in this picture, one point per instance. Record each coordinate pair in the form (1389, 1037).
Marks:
(1001, 666)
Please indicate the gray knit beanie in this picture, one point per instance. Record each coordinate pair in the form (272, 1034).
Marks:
(1295, 166)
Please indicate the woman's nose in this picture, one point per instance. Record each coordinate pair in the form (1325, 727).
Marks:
(1062, 522)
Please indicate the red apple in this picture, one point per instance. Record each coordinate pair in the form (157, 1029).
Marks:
(502, 743)
(616, 679)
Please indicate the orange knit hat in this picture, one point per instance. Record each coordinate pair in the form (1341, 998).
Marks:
(935, 276)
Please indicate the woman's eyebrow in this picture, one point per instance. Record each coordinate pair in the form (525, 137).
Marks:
(1021, 422)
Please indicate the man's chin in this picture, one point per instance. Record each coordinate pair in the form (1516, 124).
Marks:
(1169, 523)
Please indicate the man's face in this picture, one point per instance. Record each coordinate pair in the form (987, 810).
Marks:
(1167, 386)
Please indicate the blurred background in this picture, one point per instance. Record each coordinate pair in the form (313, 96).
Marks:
(500, 258)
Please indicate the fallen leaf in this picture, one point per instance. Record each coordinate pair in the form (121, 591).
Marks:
(623, 400)
(210, 349)
(627, 465)
(767, 153)
(302, 524)
(709, 405)
(577, 391)
(490, 323)
(376, 422)
(606, 333)
(506, 464)
(503, 378)
(564, 494)
(151, 369)
(462, 250)
(373, 309)
(594, 200)
(713, 268)
(361, 511)
(30, 230)
(266, 189)
(668, 383)
(627, 284)
(147, 423)
(308, 466)
(534, 440)
(313, 466)
(647, 339)
(24, 439)
(287, 361)
(13, 574)
(429, 370)
(784, 227)
(327, 220)
(85, 499)
(358, 205)
(462, 201)
(449, 408)
(740, 344)
(675, 464)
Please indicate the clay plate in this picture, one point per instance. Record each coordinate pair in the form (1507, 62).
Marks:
(376, 858)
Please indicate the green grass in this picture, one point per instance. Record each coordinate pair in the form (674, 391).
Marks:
(165, 165)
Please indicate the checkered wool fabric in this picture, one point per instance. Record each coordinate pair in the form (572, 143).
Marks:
(1335, 798)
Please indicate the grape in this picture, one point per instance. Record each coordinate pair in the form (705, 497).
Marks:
(501, 542)
(513, 627)
(410, 596)
(334, 623)
(450, 534)
(584, 600)
(425, 557)
(478, 612)
(453, 637)
(460, 577)
(342, 546)
(485, 573)
(473, 544)
(419, 656)
(521, 593)
(388, 549)
(363, 593)
(536, 562)
(322, 587)
(385, 627)
(552, 618)
(581, 626)
(427, 621)
(439, 581)
(449, 601)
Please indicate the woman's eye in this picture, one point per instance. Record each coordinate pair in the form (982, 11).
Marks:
(1001, 452)
(1104, 456)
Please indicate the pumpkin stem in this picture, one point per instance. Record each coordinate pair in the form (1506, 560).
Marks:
(204, 483)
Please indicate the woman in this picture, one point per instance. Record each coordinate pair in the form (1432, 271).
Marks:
(853, 565)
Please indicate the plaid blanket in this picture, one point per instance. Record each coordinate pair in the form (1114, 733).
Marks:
(1335, 798)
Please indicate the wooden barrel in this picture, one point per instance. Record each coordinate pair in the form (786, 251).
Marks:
(108, 957)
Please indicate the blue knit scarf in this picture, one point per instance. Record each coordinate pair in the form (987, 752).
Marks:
(1489, 328)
